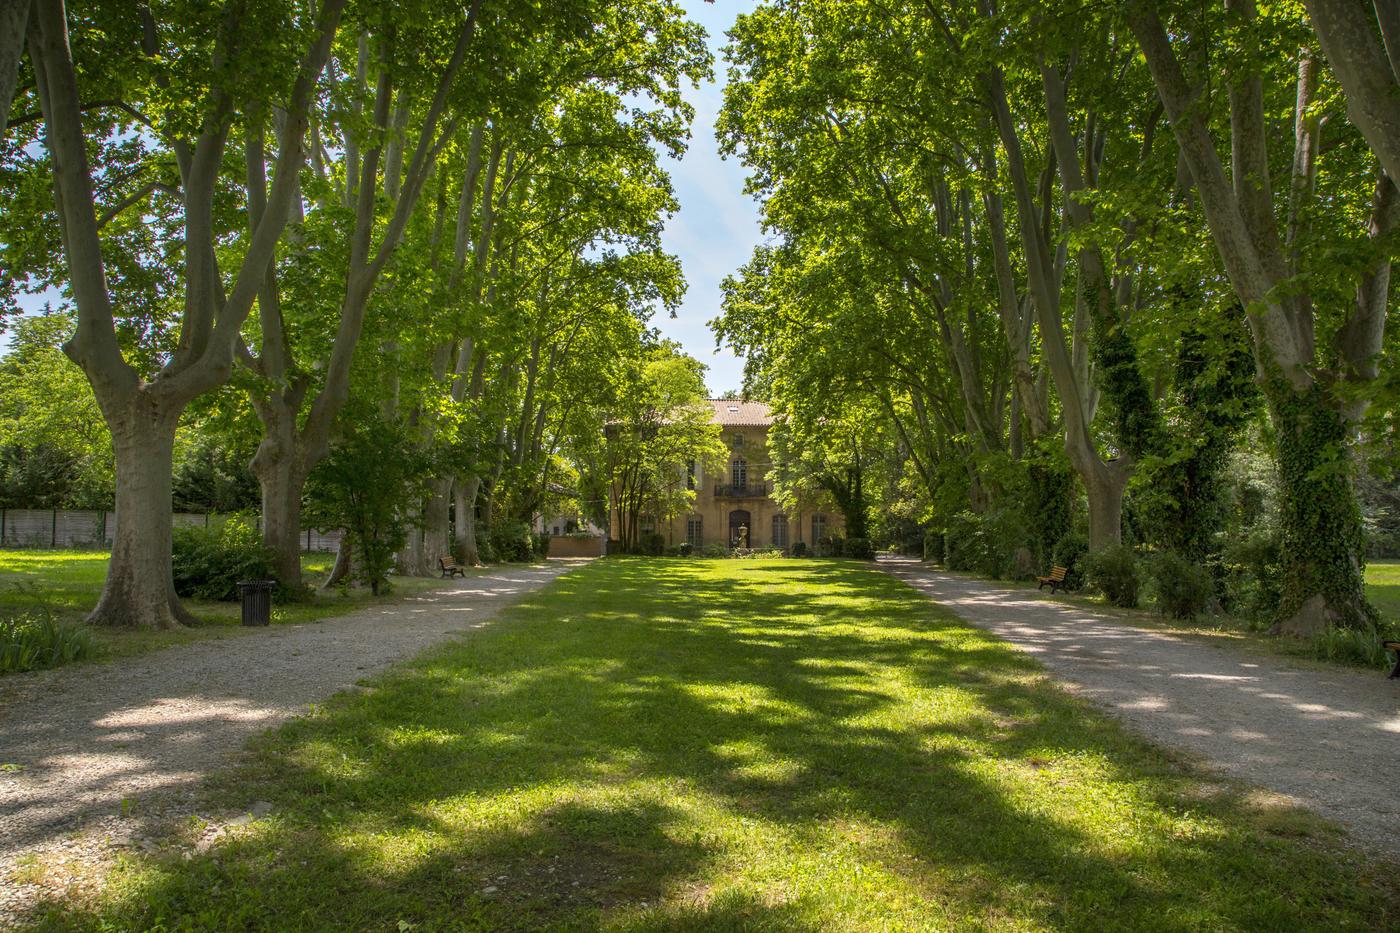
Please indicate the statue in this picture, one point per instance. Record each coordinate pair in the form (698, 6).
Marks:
(743, 537)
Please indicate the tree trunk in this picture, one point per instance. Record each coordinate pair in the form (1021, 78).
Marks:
(278, 465)
(1323, 555)
(1103, 487)
(464, 504)
(410, 560)
(340, 570)
(435, 532)
(281, 486)
(140, 590)
(1366, 61)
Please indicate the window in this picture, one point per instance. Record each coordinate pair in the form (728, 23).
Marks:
(694, 529)
(738, 441)
(780, 531)
(739, 473)
(818, 527)
(648, 524)
(690, 474)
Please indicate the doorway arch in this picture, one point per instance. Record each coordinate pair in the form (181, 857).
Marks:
(737, 519)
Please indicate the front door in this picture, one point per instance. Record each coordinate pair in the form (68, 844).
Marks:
(740, 529)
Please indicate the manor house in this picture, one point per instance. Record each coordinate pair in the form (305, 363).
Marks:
(736, 508)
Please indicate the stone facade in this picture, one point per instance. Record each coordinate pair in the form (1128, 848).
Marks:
(739, 500)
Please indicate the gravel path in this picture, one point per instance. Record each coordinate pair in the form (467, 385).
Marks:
(95, 744)
(1328, 739)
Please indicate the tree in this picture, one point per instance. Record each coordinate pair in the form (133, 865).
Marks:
(834, 453)
(406, 81)
(227, 62)
(361, 488)
(56, 450)
(537, 160)
(884, 143)
(14, 16)
(660, 422)
(1270, 256)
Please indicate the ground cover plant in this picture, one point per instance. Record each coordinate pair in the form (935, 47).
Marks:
(65, 585)
(757, 744)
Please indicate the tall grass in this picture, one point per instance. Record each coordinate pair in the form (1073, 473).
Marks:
(31, 641)
(32, 638)
(1354, 646)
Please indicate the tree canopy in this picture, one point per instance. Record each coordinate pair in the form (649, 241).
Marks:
(1083, 240)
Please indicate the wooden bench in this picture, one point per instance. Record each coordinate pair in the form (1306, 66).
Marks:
(1056, 579)
(450, 567)
(1394, 646)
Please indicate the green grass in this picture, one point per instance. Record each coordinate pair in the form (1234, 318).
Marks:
(1383, 587)
(734, 745)
(68, 583)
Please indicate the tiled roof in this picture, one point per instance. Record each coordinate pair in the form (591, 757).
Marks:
(732, 413)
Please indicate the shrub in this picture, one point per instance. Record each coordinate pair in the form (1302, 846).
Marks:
(653, 545)
(933, 546)
(1000, 534)
(1185, 589)
(364, 486)
(1254, 576)
(35, 640)
(985, 544)
(859, 548)
(512, 542)
(716, 550)
(1114, 571)
(799, 549)
(539, 545)
(960, 541)
(685, 550)
(209, 562)
(1070, 552)
(760, 553)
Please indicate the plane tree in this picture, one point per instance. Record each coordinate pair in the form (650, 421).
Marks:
(167, 90)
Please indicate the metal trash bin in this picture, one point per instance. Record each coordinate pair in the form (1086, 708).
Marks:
(257, 601)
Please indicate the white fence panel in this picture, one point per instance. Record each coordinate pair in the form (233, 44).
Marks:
(48, 528)
(322, 540)
(29, 528)
(79, 529)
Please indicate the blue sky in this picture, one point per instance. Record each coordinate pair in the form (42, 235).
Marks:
(717, 226)
(715, 230)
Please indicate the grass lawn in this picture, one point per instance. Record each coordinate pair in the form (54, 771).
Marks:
(743, 745)
(69, 583)
(1383, 586)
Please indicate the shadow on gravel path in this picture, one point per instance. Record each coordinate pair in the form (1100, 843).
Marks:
(88, 746)
(1328, 739)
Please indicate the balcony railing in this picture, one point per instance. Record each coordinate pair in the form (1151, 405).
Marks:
(747, 490)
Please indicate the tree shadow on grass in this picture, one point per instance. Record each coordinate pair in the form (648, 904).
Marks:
(650, 745)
